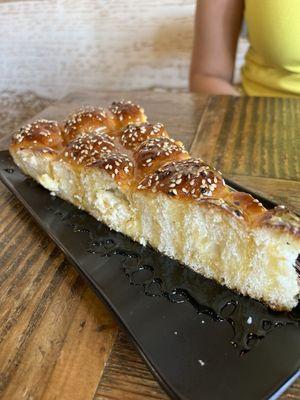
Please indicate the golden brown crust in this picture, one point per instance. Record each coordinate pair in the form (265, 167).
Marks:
(133, 135)
(190, 179)
(88, 148)
(90, 119)
(117, 165)
(141, 155)
(126, 112)
(87, 119)
(244, 204)
(155, 152)
(41, 134)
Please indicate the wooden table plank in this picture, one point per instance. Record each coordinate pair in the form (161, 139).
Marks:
(50, 320)
(251, 136)
(90, 336)
(58, 334)
(126, 375)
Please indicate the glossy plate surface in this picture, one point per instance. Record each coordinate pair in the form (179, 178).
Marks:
(200, 339)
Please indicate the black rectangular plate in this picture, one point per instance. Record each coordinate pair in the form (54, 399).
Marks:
(200, 339)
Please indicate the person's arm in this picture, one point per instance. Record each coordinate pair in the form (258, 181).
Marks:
(217, 27)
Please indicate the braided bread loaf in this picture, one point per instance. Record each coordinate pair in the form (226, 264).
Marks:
(132, 176)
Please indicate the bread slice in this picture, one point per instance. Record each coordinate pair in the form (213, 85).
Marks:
(130, 175)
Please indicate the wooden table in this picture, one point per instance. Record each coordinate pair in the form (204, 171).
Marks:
(57, 340)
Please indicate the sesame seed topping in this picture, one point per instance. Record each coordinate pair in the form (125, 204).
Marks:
(156, 149)
(134, 134)
(184, 177)
(40, 133)
(94, 137)
(87, 119)
(126, 110)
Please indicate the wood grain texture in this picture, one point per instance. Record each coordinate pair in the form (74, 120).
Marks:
(49, 318)
(126, 375)
(54, 47)
(52, 327)
(91, 334)
(251, 136)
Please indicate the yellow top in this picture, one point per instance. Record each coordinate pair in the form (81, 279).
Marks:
(272, 66)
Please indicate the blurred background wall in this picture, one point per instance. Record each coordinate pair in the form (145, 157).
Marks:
(55, 46)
